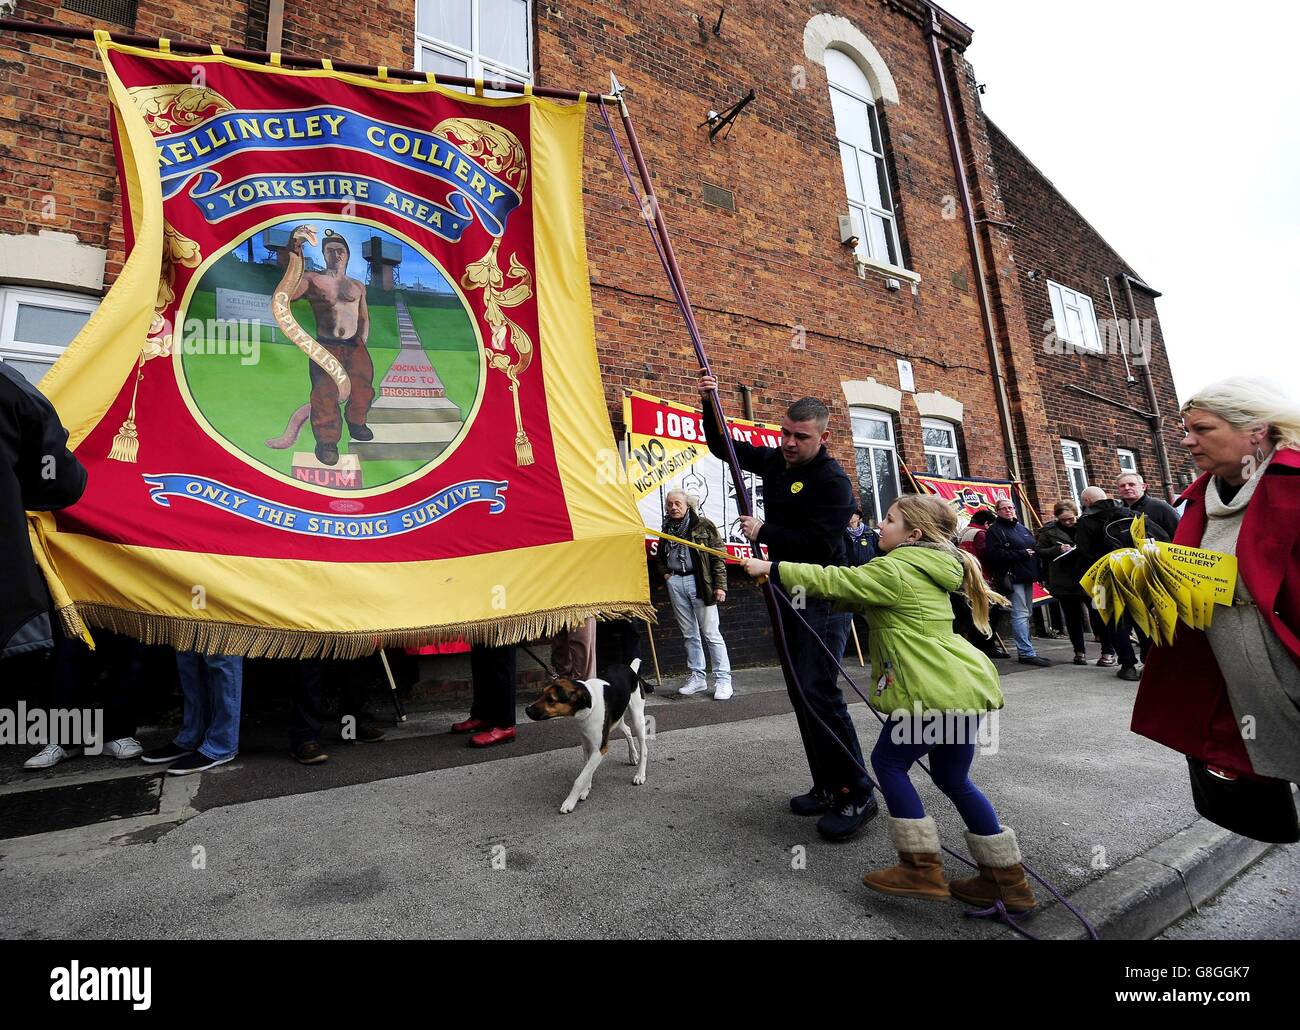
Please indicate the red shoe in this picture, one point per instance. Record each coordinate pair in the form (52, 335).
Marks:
(469, 726)
(496, 735)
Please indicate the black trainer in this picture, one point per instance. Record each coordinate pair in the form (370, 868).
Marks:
(166, 753)
(815, 802)
(846, 817)
(362, 729)
(1035, 659)
(1129, 673)
(309, 752)
(195, 762)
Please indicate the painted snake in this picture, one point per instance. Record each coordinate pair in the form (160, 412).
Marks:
(283, 315)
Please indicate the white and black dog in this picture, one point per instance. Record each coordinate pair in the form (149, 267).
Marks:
(600, 706)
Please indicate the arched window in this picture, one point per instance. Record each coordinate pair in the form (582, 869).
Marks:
(862, 153)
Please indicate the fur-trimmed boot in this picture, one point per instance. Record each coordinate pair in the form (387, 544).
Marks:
(919, 873)
(1001, 877)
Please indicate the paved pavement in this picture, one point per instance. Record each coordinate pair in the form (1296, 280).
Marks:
(1263, 903)
(419, 836)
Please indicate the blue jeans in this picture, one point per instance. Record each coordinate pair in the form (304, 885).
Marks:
(1022, 607)
(212, 685)
(950, 764)
(696, 619)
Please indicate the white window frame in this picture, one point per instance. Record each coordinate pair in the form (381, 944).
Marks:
(1121, 454)
(884, 417)
(941, 452)
(1064, 301)
(866, 161)
(476, 66)
(12, 297)
(1074, 464)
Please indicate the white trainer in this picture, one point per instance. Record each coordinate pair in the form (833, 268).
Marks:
(722, 692)
(694, 685)
(123, 747)
(49, 756)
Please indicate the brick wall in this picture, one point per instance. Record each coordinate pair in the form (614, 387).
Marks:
(1054, 241)
(758, 276)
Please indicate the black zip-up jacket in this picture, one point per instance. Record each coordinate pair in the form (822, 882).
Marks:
(805, 508)
(37, 473)
(1007, 549)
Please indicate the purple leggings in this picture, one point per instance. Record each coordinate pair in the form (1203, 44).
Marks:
(949, 765)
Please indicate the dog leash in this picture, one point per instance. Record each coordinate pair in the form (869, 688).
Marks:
(552, 675)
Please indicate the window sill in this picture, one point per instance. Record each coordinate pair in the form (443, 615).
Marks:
(885, 271)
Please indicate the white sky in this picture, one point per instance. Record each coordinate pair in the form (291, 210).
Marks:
(1175, 129)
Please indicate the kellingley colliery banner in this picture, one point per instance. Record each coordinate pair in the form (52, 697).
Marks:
(344, 392)
(666, 451)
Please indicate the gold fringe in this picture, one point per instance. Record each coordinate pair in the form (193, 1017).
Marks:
(73, 627)
(126, 445)
(523, 449)
(266, 642)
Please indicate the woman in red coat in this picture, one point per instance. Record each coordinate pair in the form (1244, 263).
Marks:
(1230, 696)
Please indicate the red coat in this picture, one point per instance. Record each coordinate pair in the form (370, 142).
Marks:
(1182, 701)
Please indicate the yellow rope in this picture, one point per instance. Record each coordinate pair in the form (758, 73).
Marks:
(699, 547)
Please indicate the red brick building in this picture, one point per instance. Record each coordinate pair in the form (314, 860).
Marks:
(922, 360)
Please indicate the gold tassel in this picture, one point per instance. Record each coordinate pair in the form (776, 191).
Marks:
(126, 444)
(523, 449)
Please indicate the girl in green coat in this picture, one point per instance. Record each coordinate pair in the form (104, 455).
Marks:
(933, 686)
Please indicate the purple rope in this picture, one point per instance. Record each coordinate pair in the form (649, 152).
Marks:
(998, 911)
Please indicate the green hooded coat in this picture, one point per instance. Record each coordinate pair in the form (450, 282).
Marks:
(915, 655)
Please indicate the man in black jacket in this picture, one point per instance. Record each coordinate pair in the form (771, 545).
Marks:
(807, 499)
(1105, 526)
(1012, 557)
(37, 473)
(1132, 491)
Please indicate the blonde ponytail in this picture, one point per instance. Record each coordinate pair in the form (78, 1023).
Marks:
(937, 523)
(977, 591)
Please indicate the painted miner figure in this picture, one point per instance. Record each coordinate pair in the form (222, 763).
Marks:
(342, 328)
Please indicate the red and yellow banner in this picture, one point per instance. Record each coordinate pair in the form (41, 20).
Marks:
(667, 451)
(344, 392)
(967, 496)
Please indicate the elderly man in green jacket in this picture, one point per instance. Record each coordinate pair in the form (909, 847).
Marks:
(697, 582)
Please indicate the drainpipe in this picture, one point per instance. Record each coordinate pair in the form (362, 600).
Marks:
(274, 25)
(932, 31)
(747, 402)
(1161, 455)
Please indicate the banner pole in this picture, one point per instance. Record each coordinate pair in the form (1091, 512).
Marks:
(649, 630)
(714, 401)
(392, 684)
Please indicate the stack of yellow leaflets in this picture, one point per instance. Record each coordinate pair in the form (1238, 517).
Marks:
(1160, 584)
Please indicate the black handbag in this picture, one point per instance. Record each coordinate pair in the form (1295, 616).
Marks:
(1261, 809)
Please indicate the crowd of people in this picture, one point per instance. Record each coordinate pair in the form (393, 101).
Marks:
(929, 590)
